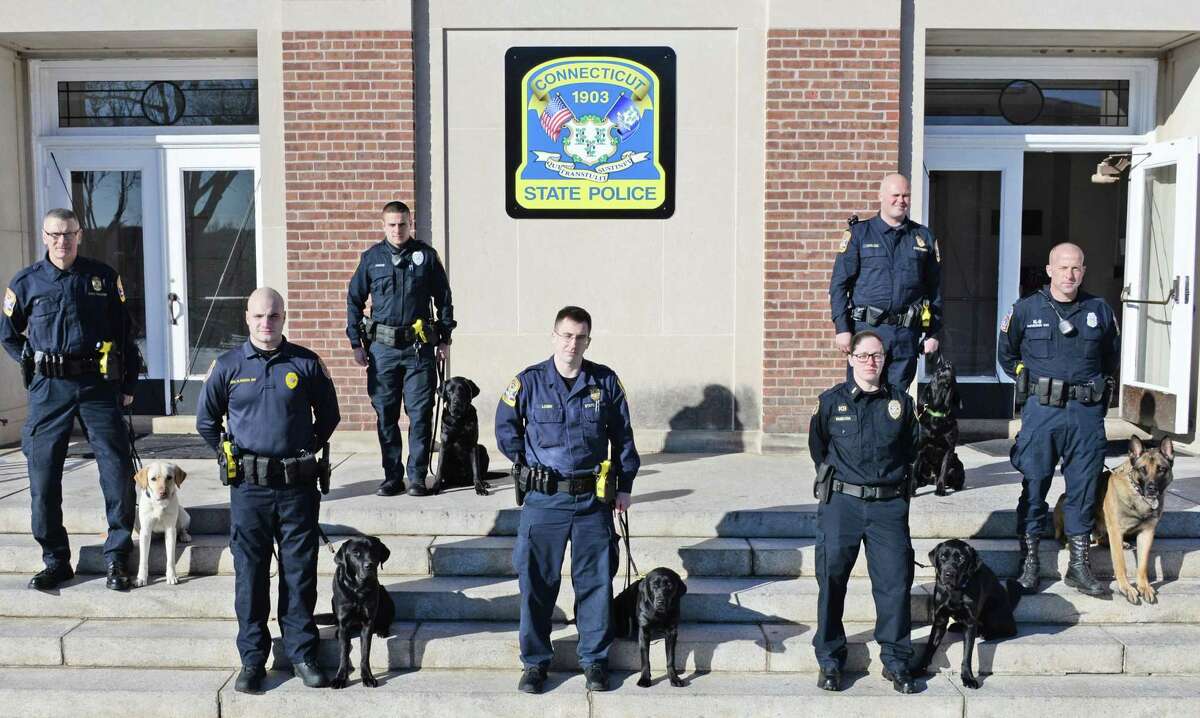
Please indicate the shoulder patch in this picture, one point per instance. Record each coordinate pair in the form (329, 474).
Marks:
(10, 301)
(510, 394)
(120, 289)
(845, 241)
(1005, 321)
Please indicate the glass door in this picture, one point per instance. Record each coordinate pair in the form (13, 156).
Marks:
(213, 221)
(116, 196)
(1158, 297)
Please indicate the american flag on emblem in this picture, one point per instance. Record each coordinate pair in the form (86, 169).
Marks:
(555, 116)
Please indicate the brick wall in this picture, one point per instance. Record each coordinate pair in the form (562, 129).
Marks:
(348, 149)
(833, 101)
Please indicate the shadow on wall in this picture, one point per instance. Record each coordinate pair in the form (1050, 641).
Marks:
(718, 411)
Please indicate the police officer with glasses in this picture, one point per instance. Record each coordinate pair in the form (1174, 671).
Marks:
(282, 408)
(66, 322)
(887, 278)
(863, 438)
(564, 423)
(1062, 346)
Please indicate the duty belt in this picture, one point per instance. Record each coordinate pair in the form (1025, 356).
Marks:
(396, 337)
(875, 316)
(1056, 392)
(268, 471)
(64, 365)
(868, 493)
(550, 482)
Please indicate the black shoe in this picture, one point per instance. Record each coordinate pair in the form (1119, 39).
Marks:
(901, 680)
(1030, 563)
(1079, 568)
(597, 677)
(310, 674)
(417, 488)
(390, 487)
(532, 680)
(250, 680)
(48, 578)
(118, 576)
(829, 679)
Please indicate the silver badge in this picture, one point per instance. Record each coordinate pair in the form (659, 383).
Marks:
(418, 258)
(894, 409)
(1092, 321)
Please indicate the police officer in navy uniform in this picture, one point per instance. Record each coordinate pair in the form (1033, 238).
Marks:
(559, 419)
(65, 320)
(886, 269)
(402, 275)
(862, 438)
(282, 408)
(1064, 345)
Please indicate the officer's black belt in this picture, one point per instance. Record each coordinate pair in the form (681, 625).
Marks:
(876, 316)
(1057, 392)
(268, 471)
(547, 481)
(395, 337)
(868, 493)
(64, 365)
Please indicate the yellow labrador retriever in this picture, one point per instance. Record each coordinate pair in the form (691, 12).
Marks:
(159, 511)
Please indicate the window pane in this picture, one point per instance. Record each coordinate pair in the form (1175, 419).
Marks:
(1087, 103)
(151, 103)
(962, 204)
(218, 210)
(1157, 276)
(110, 208)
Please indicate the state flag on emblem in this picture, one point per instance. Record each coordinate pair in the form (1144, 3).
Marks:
(555, 116)
(624, 116)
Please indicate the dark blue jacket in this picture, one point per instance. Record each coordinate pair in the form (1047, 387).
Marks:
(871, 439)
(1029, 334)
(70, 312)
(401, 282)
(890, 268)
(540, 423)
(276, 406)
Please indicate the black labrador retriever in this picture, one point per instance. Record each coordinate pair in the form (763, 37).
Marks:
(966, 590)
(360, 604)
(649, 609)
(937, 462)
(462, 461)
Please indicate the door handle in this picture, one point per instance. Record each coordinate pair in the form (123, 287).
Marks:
(172, 305)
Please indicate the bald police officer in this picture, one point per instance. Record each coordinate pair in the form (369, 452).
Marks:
(66, 322)
(1064, 345)
(282, 408)
(886, 270)
(863, 438)
(557, 421)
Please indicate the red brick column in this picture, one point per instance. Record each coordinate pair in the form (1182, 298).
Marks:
(348, 149)
(832, 132)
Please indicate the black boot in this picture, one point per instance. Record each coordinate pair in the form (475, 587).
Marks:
(250, 680)
(1079, 568)
(390, 487)
(118, 576)
(1030, 564)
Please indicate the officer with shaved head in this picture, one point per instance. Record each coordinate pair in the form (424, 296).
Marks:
(887, 278)
(268, 409)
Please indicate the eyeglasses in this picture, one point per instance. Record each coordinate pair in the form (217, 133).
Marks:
(61, 235)
(573, 338)
(864, 358)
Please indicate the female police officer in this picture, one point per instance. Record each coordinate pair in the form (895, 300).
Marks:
(862, 438)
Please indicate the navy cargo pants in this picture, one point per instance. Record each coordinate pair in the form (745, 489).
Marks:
(260, 516)
(53, 406)
(547, 522)
(407, 376)
(842, 524)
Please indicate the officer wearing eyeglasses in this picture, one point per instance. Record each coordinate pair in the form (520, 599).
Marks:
(862, 438)
(1062, 346)
(66, 322)
(557, 421)
(887, 277)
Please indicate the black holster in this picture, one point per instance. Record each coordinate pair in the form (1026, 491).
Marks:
(1021, 391)
(324, 470)
(27, 366)
(823, 483)
(229, 462)
(520, 488)
(302, 469)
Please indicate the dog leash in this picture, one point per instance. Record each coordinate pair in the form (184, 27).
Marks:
(630, 565)
(440, 368)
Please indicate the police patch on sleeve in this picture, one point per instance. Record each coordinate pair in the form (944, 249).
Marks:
(845, 241)
(10, 302)
(1005, 321)
(120, 289)
(894, 408)
(510, 394)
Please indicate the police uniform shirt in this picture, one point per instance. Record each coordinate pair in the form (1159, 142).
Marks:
(1029, 334)
(539, 422)
(887, 267)
(869, 438)
(69, 311)
(401, 282)
(271, 400)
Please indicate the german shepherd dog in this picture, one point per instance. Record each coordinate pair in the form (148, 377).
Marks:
(937, 462)
(1129, 503)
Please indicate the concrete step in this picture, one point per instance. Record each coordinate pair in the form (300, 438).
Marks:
(111, 692)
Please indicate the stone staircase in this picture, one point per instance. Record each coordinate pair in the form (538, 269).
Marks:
(738, 527)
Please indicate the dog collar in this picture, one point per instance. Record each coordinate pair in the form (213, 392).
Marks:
(935, 414)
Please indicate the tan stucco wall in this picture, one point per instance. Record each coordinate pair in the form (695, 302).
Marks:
(1179, 93)
(14, 223)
